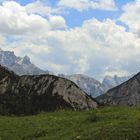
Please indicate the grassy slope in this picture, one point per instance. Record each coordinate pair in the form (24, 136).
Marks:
(110, 123)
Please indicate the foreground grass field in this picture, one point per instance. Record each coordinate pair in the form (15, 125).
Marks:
(110, 123)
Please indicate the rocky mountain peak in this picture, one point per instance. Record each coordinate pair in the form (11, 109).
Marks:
(32, 94)
(25, 60)
(127, 93)
(113, 81)
(7, 58)
(21, 66)
(88, 84)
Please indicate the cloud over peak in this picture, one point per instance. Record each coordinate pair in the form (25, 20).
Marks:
(95, 47)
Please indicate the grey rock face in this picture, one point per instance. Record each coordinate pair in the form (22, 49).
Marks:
(127, 93)
(32, 94)
(21, 66)
(89, 85)
(25, 60)
(93, 87)
(111, 82)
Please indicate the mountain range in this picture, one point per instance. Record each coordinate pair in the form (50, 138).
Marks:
(88, 84)
(92, 86)
(23, 66)
(110, 82)
(32, 94)
(128, 93)
(35, 90)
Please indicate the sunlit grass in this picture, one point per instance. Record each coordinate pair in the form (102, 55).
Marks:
(109, 123)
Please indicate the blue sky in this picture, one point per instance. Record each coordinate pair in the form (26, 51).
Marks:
(92, 37)
(76, 18)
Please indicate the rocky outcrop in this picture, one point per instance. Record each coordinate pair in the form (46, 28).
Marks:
(32, 94)
(127, 93)
(92, 86)
(88, 84)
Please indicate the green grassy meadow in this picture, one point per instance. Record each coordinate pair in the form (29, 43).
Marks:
(108, 123)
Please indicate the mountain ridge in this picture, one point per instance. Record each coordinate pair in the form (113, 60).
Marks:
(88, 84)
(128, 93)
(93, 87)
(30, 94)
(21, 66)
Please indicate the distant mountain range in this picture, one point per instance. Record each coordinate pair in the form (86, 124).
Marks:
(92, 86)
(23, 66)
(128, 93)
(110, 82)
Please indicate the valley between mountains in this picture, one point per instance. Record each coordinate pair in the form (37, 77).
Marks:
(35, 104)
(94, 88)
(27, 89)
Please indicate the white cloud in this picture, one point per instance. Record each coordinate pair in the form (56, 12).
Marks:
(57, 22)
(1, 1)
(2, 40)
(131, 16)
(96, 48)
(96, 45)
(81, 5)
(38, 7)
(43, 9)
(16, 20)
